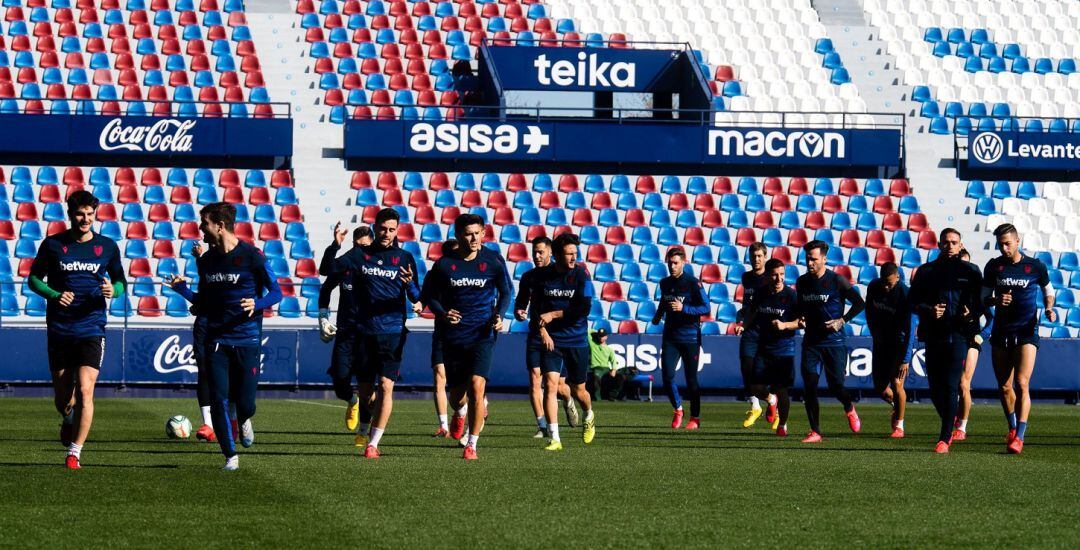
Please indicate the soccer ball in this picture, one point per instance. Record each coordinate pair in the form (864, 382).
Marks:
(178, 427)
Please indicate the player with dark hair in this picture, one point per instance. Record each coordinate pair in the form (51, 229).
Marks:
(198, 352)
(468, 291)
(77, 271)
(1012, 283)
(889, 318)
(945, 293)
(562, 297)
(748, 337)
(383, 288)
(235, 286)
(772, 313)
(822, 294)
(963, 411)
(347, 357)
(681, 305)
(541, 256)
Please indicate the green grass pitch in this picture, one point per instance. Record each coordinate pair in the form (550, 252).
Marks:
(638, 484)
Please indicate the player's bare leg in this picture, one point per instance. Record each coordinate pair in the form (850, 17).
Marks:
(964, 409)
(1002, 360)
(63, 382)
(438, 374)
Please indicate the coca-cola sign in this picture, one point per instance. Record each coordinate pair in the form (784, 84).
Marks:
(172, 356)
(167, 135)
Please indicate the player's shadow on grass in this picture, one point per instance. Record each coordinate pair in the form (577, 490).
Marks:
(95, 466)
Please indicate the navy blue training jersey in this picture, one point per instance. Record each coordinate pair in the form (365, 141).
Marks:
(956, 284)
(684, 326)
(888, 313)
(822, 299)
(524, 300)
(572, 293)
(1023, 279)
(380, 299)
(751, 283)
(768, 306)
(478, 289)
(341, 281)
(226, 278)
(80, 268)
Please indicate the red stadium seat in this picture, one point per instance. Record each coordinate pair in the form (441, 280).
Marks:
(797, 238)
(149, 307)
(712, 219)
(849, 238)
(832, 204)
(885, 255)
(848, 187)
(615, 235)
(892, 222)
(164, 249)
(611, 292)
(449, 214)
(189, 231)
(567, 182)
(798, 186)
(783, 254)
(392, 197)
(635, 217)
(233, 195)
(55, 228)
(245, 232)
(406, 233)
(269, 232)
(139, 267)
(815, 220)
(548, 200)
(257, 196)
(470, 199)
(917, 222)
(158, 213)
(772, 187)
(875, 238)
(361, 180)
(290, 213)
(7, 230)
(704, 203)
(764, 220)
(497, 199)
(137, 231)
(387, 180)
(883, 205)
(583, 217)
(180, 195)
(678, 202)
(517, 252)
(694, 236)
(305, 267)
(424, 215)
(781, 203)
(597, 254)
(745, 237)
(504, 215)
(645, 184)
(710, 274)
(899, 188)
(845, 272)
(628, 327)
(928, 240)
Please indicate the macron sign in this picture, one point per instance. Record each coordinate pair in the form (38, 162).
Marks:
(1025, 150)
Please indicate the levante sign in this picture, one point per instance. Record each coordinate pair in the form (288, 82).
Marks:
(1026, 150)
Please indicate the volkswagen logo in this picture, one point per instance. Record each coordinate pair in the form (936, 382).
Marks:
(987, 148)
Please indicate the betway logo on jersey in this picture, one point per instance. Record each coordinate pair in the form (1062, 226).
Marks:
(76, 265)
(476, 138)
(559, 292)
(588, 71)
(778, 311)
(1012, 281)
(164, 136)
(468, 281)
(883, 306)
(378, 272)
(815, 297)
(776, 144)
(230, 278)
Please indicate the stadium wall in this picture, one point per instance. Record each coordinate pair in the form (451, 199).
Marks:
(294, 358)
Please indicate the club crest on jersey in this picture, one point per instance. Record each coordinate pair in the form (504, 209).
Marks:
(98, 250)
(1027, 269)
(453, 267)
(483, 267)
(64, 248)
(395, 260)
(1001, 268)
(237, 260)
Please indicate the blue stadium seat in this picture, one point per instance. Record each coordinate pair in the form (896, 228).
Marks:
(289, 307)
(985, 207)
(604, 272)
(1026, 190)
(1068, 261)
(619, 311)
(656, 273)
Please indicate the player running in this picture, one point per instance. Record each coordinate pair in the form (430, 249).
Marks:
(822, 294)
(541, 256)
(347, 357)
(751, 281)
(974, 349)
(771, 313)
(383, 288)
(77, 271)
(1011, 284)
(946, 293)
(889, 318)
(438, 364)
(682, 303)
(468, 291)
(562, 297)
(198, 352)
(235, 286)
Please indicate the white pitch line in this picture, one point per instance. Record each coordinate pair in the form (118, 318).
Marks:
(315, 403)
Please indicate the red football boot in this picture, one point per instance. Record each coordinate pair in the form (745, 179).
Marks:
(676, 419)
(959, 435)
(1015, 447)
(897, 433)
(942, 448)
(813, 437)
(693, 424)
(1010, 436)
(206, 433)
(457, 427)
(371, 452)
(853, 420)
(770, 414)
(470, 453)
(72, 463)
(781, 431)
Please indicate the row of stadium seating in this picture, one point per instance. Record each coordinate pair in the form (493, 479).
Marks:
(111, 53)
(974, 65)
(1046, 214)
